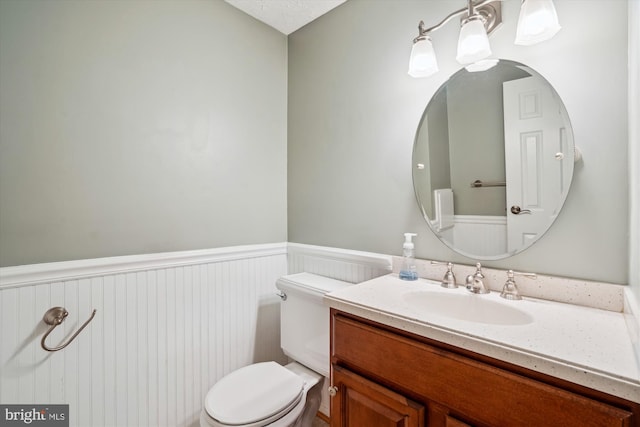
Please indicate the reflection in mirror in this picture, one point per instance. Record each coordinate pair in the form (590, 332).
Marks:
(493, 160)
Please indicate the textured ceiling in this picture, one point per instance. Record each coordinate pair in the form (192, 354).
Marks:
(285, 16)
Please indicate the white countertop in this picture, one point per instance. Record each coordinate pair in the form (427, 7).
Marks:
(583, 345)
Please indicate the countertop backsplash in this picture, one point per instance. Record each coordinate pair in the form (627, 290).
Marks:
(604, 296)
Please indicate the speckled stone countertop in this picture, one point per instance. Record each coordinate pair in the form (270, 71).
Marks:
(587, 346)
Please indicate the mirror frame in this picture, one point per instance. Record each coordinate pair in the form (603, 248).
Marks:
(566, 150)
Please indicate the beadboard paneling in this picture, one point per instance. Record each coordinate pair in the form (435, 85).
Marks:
(162, 335)
(480, 234)
(167, 327)
(342, 264)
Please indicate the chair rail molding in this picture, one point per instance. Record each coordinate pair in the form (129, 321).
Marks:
(33, 274)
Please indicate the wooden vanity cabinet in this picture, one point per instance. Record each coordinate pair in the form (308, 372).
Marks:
(386, 377)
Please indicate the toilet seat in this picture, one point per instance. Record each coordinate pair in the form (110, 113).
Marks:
(254, 396)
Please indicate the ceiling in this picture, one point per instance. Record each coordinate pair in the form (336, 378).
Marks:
(285, 16)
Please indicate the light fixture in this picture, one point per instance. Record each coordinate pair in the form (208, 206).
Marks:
(538, 22)
(422, 62)
(473, 43)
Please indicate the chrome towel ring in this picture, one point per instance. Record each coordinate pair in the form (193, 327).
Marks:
(55, 316)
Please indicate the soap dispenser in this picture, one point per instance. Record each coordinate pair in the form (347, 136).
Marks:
(408, 269)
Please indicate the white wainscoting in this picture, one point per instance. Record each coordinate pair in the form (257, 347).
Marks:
(342, 264)
(480, 234)
(167, 327)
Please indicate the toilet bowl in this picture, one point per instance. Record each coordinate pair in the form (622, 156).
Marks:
(267, 393)
(263, 394)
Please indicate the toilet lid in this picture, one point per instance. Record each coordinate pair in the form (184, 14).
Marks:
(253, 393)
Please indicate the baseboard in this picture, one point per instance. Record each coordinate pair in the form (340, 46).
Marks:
(323, 417)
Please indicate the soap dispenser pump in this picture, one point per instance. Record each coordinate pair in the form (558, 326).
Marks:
(408, 269)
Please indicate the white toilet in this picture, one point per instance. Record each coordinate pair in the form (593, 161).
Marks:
(269, 394)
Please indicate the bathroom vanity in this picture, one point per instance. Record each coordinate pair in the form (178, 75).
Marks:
(396, 365)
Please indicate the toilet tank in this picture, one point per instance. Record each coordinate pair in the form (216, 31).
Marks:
(304, 319)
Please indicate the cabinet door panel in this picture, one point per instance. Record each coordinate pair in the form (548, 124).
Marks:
(360, 402)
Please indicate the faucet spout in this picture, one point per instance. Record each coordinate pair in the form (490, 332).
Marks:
(475, 282)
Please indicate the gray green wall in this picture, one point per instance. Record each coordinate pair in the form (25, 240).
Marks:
(142, 127)
(138, 127)
(353, 113)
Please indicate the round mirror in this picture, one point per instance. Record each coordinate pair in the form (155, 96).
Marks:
(493, 160)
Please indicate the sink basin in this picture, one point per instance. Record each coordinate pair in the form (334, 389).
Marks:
(467, 307)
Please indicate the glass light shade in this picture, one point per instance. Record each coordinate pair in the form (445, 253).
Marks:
(422, 62)
(538, 22)
(473, 44)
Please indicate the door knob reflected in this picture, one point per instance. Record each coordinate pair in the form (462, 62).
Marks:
(516, 210)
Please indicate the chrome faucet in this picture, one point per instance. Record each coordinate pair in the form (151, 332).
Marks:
(449, 279)
(475, 282)
(510, 290)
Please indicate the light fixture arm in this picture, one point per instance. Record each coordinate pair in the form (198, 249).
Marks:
(469, 10)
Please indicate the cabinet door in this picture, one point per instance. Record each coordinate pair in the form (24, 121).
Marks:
(359, 402)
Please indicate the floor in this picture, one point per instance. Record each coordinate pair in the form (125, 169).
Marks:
(319, 423)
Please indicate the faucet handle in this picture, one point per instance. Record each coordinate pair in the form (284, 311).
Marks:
(478, 274)
(510, 290)
(449, 279)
